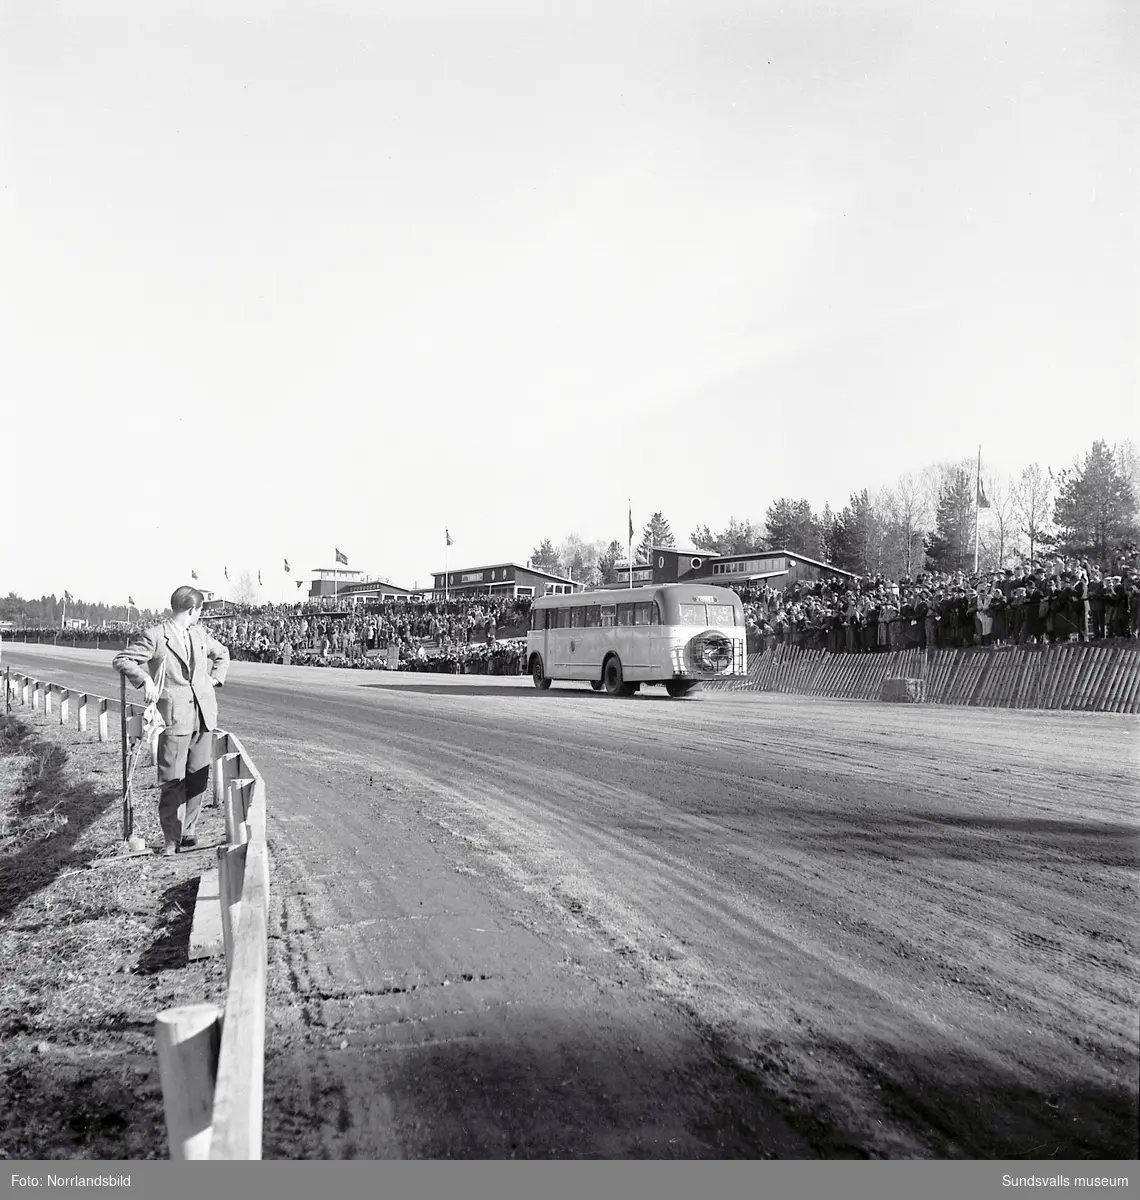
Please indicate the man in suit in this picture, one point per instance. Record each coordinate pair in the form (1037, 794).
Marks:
(196, 664)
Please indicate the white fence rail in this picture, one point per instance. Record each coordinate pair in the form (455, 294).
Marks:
(211, 1058)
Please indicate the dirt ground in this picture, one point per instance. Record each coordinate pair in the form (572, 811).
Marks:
(93, 949)
(518, 924)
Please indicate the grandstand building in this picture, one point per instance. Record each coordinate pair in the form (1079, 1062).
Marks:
(500, 579)
(777, 568)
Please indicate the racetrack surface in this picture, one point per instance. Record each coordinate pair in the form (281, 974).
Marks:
(510, 923)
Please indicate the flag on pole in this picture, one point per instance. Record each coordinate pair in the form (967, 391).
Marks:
(447, 539)
(131, 601)
(341, 558)
(286, 566)
(259, 579)
(631, 522)
(193, 573)
(226, 572)
(982, 501)
(67, 597)
(300, 582)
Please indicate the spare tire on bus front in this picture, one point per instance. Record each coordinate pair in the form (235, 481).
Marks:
(614, 678)
(680, 687)
(538, 673)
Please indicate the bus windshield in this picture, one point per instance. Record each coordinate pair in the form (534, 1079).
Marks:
(707, 614)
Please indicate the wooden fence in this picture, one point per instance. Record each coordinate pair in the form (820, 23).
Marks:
(1071, 675)
(211, 1058)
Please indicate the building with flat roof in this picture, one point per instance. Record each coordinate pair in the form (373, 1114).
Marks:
(500, 579)
(777, 568)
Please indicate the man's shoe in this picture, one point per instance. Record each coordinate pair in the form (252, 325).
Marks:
(170, 849)
(188, 843)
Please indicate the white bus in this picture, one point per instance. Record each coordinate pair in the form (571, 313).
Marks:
(676, 634)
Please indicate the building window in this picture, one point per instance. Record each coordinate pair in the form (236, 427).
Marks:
(525, 591)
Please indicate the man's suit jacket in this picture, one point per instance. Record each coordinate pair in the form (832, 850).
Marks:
(144, 656)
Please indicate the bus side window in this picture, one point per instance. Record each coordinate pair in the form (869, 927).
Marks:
(578, 620)
(625, 614)
(608, 616)
(564, 618)
(593, 616)
(551, 618)
(644, 613)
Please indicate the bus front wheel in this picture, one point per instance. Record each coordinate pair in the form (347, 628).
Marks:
(614, 678)
(541, 680)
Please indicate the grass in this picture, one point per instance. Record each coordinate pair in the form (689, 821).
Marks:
(94, 946)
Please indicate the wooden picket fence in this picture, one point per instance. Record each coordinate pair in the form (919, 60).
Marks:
(1070, 675)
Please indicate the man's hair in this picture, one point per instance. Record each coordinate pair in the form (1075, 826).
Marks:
(185, 598)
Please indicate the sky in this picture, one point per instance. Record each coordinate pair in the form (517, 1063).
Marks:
(280, 278)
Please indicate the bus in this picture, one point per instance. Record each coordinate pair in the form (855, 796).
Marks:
(677, 634)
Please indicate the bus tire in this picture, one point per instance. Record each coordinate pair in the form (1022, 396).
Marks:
(679, 687)
(541, 680)
(596, 684)
(614, 678)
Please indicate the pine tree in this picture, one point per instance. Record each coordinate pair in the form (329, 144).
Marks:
(793, 526)
(656, 533)
(950, 547)
(741, 537)
(1095, 510)
(545, 558)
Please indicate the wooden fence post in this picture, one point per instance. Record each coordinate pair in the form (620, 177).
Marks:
(231, 878)
(7, 690)
(104, 733)
(221, 747)
(123, 746)
(81, 712)
(48, 689)
(189, 1042)
(25, 690)
(64, 704)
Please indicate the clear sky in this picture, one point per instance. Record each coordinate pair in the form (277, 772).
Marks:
(281, 277)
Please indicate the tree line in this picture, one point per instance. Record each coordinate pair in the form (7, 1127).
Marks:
(50, 611)
(924, 521)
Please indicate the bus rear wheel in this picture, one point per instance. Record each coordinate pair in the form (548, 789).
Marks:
(541, 680)
(679, 687)
(614, 678)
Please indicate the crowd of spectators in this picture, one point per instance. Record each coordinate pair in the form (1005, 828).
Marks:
(312, 632)
(1056, 602)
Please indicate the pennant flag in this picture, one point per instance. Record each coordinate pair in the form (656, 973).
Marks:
(631, 522)
(226, 570)
(447, 536)
(193, 573)
(982, 501)
(342, 558)
(259, 584)
(67, 597)
(131, 601)
(286, 566)
(300, 582)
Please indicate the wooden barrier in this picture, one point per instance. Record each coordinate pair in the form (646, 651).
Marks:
(211, 1064)
(1072, 676)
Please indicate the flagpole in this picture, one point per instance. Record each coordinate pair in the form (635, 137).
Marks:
(629, 554)
(977, 509)
(446, 543)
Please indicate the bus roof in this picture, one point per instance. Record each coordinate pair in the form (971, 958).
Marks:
(693, 593)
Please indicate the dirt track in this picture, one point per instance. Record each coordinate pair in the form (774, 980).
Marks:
(740, 925)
